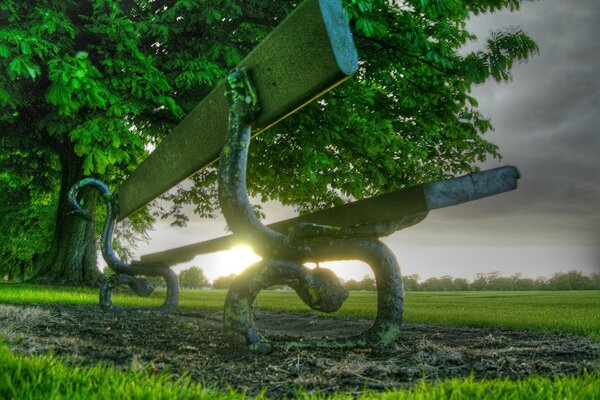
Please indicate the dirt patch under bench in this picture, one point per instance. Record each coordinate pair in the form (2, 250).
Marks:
(192, 342)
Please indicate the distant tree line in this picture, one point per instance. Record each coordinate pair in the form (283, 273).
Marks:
(366, 283)
(194, 278)
(571, 280)
(191, 278)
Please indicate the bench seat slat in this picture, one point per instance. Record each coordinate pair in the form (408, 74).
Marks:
(391, 206)
(309, 53)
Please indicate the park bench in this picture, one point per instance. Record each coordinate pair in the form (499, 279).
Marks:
(309, 53)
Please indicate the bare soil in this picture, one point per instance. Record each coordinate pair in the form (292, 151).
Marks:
(192, 343)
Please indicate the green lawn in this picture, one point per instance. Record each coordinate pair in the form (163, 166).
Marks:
(38, 378)
(572, 312)
(567, 312)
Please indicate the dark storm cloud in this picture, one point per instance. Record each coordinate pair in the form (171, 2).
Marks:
(547, 123)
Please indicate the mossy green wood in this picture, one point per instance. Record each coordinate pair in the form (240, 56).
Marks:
(406, 206)
(309, 53)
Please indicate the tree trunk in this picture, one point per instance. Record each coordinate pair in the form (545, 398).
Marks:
(22, 272)
(72, 257)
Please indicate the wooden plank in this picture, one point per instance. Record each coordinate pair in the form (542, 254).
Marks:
(470, 187)
(386, 207)
(309, 53)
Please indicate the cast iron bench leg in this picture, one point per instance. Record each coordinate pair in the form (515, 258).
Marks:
(125, 273)
(284, 254)
(319, 289)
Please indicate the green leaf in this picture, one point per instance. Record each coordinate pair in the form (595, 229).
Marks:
(16, 66)
(33, 71)
(112, 158)
(101, 161)
(4, 51)
(365, 26)
(88, 165)
(25, 48)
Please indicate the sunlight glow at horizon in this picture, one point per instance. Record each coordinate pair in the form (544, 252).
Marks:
(236, 260)
(346, 269)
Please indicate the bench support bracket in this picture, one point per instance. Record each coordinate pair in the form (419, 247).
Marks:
(128, 274)
(284, 254)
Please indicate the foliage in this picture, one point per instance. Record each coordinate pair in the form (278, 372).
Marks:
(193, 278)
(79, 94)
(366, 283)
(26, 210)
(411, 282)
(570, 280)
(26, 233)
(224, 282)
(75, 75)
(573, 280)
(407, 117)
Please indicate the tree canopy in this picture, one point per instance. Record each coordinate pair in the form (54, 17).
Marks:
(224, 282)
(407, 117)
(193, 278)
(87, 86)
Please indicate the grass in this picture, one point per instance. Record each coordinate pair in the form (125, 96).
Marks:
(49, 378)
(567, 312)
(25, 378)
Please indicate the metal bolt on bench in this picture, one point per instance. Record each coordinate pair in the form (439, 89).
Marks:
(308, 54)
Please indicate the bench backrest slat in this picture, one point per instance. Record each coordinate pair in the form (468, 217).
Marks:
(310, 52)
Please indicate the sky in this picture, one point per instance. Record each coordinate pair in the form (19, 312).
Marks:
(547, 123)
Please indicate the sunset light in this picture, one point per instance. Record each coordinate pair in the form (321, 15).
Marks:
(235, 260)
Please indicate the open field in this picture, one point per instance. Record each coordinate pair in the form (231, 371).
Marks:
(572, 312)
(143, 355)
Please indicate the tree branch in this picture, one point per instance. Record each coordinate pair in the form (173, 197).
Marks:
(386, 46)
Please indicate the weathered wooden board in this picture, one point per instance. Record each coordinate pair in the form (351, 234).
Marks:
(309, 53)
(386, 207)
